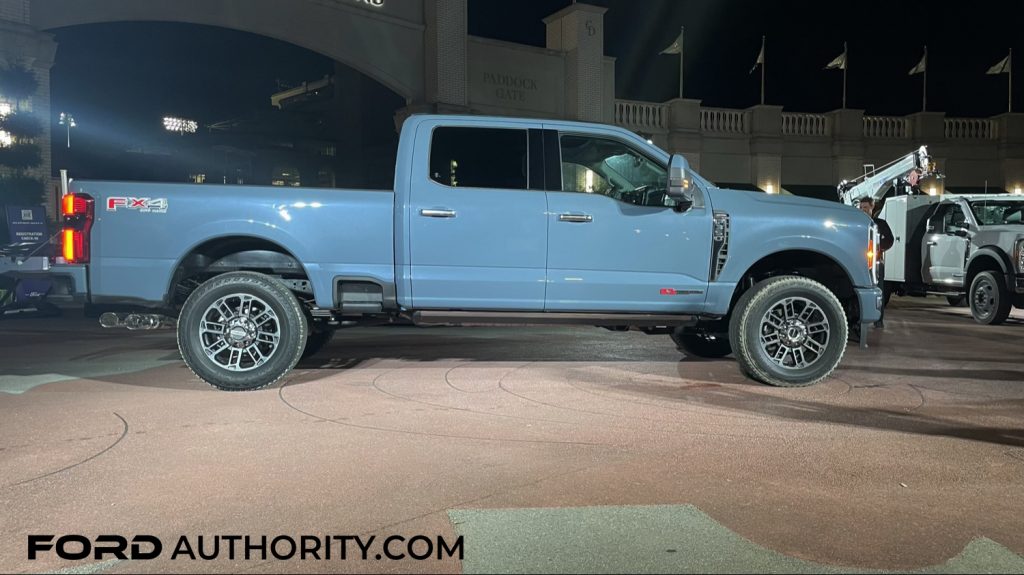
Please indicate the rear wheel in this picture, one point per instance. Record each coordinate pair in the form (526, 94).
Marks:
(241, 331)
(788, 331)
(989, 298)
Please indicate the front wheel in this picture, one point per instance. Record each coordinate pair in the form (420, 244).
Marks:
(989, 298)
(788, 331)
(241, 331)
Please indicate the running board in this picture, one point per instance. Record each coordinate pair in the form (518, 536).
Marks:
(555, 318)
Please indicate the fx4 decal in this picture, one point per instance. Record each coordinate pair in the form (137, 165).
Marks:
(155, 205)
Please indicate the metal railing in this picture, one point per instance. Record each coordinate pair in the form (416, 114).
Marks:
(795, 124)
(641, 116)
(724, 120)
(970, 128)
(886, 127)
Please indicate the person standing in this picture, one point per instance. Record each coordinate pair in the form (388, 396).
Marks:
(885, 241)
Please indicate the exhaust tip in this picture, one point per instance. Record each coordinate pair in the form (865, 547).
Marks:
(110, 320)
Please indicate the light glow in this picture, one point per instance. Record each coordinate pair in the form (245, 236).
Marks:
(1017, 191)
(932, 191)
(589, 182)
(180, 125)
(769, 188)
(69, 246)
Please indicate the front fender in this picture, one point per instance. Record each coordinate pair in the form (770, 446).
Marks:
(995, 253)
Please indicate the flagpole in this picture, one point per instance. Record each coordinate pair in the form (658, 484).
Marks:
(924, 97)
(681, 29)
(846, 65)
(764, 59)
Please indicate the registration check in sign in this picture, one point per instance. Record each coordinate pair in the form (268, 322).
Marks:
(26, 224)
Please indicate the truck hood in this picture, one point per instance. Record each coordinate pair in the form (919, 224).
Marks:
(1008, 229)
(786, 201)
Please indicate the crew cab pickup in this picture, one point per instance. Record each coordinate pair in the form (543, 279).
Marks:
(492, 220)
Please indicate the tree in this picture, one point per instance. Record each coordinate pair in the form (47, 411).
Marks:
(19, 128)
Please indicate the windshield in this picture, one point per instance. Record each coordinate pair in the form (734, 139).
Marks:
(998, 212)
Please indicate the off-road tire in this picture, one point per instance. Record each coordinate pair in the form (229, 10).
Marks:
(291, 320)
(989, 298)
(695, 343)
(745, 328)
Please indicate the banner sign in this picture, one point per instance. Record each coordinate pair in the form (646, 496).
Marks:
(27, 224)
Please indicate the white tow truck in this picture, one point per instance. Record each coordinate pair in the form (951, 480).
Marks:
(968, 248)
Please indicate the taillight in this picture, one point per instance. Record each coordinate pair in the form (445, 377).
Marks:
(75, 205)
(77, 210)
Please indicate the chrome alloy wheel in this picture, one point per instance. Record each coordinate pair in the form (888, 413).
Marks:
(239, 332)
(794, 333)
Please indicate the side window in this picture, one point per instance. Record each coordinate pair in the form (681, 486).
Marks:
(480, 158)
(592, 165)
(953, 219)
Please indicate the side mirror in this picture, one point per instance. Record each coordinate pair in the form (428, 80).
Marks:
(679, 181)
(961, 232)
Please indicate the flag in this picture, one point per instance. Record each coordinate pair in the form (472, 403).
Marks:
(760, 58)
(676, 47)
(1003, 67)
(838, 62)
(920, 65)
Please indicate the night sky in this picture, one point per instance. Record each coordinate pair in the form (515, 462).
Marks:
(120, 79)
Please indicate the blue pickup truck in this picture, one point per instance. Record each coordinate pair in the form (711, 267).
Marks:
(491, 220)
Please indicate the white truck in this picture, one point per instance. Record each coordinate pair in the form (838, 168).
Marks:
(969, 248)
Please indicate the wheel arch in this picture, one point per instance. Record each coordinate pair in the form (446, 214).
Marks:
(231, 252)
(804, 262)
(987, 258)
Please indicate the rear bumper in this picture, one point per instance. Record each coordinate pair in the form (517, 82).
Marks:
(870, 304)
(70, 282)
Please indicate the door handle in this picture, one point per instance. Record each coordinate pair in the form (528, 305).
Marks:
(933, 243)
(577, 218)
(438, 213)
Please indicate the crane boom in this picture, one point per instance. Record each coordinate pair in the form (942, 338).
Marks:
(874, 184)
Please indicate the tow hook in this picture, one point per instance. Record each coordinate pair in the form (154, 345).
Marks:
(136, 321)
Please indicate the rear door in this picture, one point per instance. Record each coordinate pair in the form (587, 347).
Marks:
(477, 227)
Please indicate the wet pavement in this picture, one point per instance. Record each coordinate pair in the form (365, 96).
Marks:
(545, 448)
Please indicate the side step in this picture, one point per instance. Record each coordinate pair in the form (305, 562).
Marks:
(550, 318)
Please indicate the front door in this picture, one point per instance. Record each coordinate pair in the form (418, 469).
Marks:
(615, 242)
(477, 228)
(945, 251)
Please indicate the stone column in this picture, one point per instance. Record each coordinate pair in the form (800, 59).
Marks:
(847, 128)
(684, 135)
(22, 45)
(446, 66)
(1010, 132)
(766, 147)
(578, 32)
